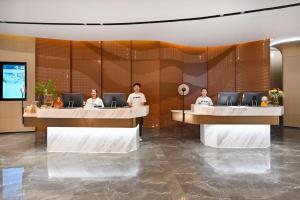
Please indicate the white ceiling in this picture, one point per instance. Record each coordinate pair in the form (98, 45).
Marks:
(276, 24)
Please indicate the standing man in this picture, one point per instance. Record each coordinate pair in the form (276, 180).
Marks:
(135, 99)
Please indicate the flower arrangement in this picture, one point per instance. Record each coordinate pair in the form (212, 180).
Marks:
(275, 95)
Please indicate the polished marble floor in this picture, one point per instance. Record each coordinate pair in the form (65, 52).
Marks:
(170, 164)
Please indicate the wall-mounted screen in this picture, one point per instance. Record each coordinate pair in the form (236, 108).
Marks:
(13, 81)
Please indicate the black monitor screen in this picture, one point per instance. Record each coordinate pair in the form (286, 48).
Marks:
(228, 98)
(13, 81)
(252, 98)
(72, 100)
(114, 99)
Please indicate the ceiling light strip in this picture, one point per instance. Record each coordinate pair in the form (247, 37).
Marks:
(156, 21)
(285, 40)
(43, 23)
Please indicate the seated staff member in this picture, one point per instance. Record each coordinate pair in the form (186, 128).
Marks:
(95, 100)
(137, 99)
(58, 103)
(203, 99)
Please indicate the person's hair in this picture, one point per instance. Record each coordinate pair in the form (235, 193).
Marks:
(95, 90)
(203, 89)
(137, 84)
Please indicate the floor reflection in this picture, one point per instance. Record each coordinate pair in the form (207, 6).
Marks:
(237, 161)
(12, 181)
(76, 165)
(163, 168)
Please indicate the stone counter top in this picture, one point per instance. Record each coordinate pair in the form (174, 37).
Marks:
(118, 113)
(234, 110)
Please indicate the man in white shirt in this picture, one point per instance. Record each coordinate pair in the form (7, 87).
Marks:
(135, 99)
(203, 99)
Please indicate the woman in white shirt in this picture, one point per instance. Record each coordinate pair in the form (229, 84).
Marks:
(203, 99)
(94, 100)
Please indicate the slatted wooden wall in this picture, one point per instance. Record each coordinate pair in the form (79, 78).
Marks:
(113, 66)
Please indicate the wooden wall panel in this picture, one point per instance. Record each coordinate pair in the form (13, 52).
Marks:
(146, 70)
(116, 66)
(171, 75)
(86, 67)
(291, 71)
(221, 70)
(112, 66)
(253, 66)
(53, 61)
(194, 72)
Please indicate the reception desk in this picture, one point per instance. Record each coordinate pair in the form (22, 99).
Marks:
(232, 126)
(89, 130)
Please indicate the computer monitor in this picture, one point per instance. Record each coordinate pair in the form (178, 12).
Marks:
(114, 100)
(228, 98)
(252, 98)
(72, 100)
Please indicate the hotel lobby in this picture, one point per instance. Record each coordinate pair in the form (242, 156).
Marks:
(148, 100)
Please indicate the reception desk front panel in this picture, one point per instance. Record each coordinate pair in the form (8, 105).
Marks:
(235, 136)
(92, 139)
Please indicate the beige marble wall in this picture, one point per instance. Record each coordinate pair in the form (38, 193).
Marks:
(18, 49)
(291, 73)
(276, 68)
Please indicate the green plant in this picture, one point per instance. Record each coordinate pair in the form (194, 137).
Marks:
(46, 88)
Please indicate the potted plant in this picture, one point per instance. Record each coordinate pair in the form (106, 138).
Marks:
(276, 95)
(46, 92)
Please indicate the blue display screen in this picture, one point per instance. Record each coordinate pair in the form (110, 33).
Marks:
(14, 81)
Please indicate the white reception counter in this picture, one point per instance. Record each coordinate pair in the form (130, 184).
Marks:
(89, 130)
(232, 126)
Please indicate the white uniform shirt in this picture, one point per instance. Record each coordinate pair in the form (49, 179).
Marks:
(136, 99)
(96, 102)
(204, 101)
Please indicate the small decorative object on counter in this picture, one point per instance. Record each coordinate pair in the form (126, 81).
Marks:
(30, 109)
(264, 101)
(276, 95)
(48, 100)
(58, 103)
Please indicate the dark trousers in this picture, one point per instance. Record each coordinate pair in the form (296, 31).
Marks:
(140, 121)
